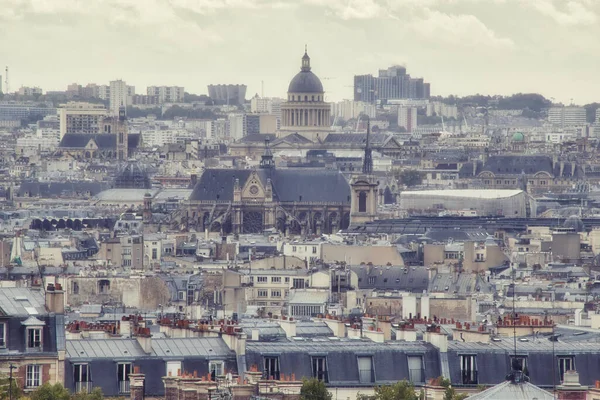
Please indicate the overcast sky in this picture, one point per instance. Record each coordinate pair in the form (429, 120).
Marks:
(459, 46)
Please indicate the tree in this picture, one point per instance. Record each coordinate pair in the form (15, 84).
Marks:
(314, 389)
(95, 394)
(402, 390)
(410, 177)
(450, 392)
(50, 392)
(5, 390)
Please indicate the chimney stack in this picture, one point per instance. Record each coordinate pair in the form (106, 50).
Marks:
(136, 384)
(55, 298)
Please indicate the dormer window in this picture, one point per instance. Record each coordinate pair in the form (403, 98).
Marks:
(34, 339)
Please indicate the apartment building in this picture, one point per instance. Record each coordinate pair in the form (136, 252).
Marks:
(167, 94)
(80, 117)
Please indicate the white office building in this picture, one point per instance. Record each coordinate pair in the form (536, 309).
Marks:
(407, 118)
(120, 95)
(567, 116)
(167, 94)
(349, 109)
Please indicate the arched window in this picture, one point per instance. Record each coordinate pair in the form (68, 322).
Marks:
(362, 202)
(305, 98)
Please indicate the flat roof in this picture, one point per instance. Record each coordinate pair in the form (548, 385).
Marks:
(472, 193)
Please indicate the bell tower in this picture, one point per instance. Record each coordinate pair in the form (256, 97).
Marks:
(122, 139)
(363, 205)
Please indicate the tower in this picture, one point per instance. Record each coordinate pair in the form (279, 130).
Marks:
(266, 161)
(122, 137)
(147, 214)
(363, 207)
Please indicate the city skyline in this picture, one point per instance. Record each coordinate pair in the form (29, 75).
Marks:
(545, 46)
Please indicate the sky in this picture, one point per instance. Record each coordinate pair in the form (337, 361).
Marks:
(460, 46)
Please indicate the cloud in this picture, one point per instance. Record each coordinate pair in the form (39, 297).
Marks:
(457, 29)
(573, 12)
(351, 9)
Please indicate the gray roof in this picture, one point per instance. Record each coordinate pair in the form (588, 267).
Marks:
(289, 185)
(56, 189)
(461, 284)
(516, 164)
(375, 139)
(180, 347)
(330, 345)
(129, 348)
(21, 301)
(413, 279)
(305, 82)
(104, 141)
(513, 391)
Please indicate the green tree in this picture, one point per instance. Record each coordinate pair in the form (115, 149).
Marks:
(95, 394)
(314, 389)
(5, 389)
(450, 392)
(50, 392)
(410, 177)
(402, 390)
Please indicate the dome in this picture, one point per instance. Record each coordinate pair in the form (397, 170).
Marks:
(574, 222)
(305, 81)
(518, 137)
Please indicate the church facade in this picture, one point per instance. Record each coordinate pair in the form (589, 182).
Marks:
(293, 201)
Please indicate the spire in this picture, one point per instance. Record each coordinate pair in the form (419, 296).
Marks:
(368, 160)
(305, 60)
(266, 161)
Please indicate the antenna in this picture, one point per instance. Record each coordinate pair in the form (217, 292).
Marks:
(6, 79)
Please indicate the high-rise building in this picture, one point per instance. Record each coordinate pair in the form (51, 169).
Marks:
(120, 95)
(567, 116)
(227, 94)
(407, 118)
(236, 126)
(167, 94)
(79, 117)
(30, 91)
(349, 109)
(392, 83)
(440, 109)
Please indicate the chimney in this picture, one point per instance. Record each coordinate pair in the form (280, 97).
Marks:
(136, 384)
(55, 298)
(144, 339)
(571, 389)
(439, 340)
(288, 325)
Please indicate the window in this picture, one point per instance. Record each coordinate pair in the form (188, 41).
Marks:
(372, 280)
(565, 364)
(275, 293)
(33, 377)
(81, 378)
(173, 368)
(154, 254)
(298, 283)
(314, 249)
(123, 371)
(362, 202)
(181, 295)
(287, 293)
(293, 249)
(275, 279)
(2, 334)
(103, 286)
(34, 339)
(520, 363)
(319, 368)
(365, 369)
(75, 287)
(272, 368)
(261, 279)
(415, 369)
(287, 279)
(263, 293)
(468, 369)
(216, 368)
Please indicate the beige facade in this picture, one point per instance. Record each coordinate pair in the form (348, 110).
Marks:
(79, 117)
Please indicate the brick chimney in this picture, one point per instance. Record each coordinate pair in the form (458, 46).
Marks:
(136, 384)
(571, 389)
(55, 298)
(144, 339)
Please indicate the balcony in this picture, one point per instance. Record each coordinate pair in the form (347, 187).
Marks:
(124, 387)
(417, 375)
(83, 387)
(469, 377)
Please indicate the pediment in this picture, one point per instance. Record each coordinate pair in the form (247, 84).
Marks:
(253, 188)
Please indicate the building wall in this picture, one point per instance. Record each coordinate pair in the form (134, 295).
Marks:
(378, 255)
(459, 309)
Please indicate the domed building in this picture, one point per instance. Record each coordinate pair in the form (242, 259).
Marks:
(305, 110)
(518, 142)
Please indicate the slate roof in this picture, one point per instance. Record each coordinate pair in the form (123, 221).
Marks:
(21, 301)
(412, 279)
(375, 139)
(513, 391)
(516, 164)
(104, 141)
(56, 189)
(462, 284)
(105, 348)
(185, 347)
(258, 138)
(289, 185)
(293, 138)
